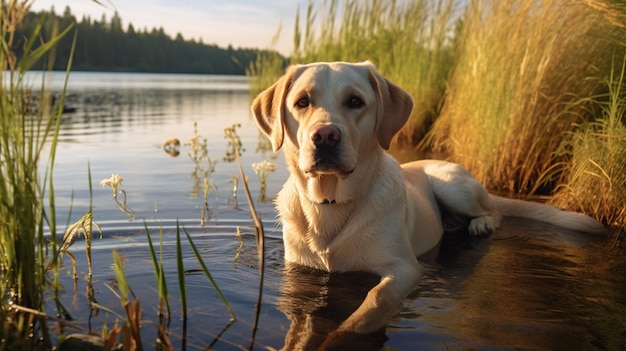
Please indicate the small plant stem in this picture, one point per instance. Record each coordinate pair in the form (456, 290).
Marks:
(260, 238)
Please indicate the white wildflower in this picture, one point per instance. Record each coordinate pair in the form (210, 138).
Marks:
(113, 182)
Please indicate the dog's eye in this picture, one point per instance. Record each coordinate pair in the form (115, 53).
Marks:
(302, 102)
(355, 102)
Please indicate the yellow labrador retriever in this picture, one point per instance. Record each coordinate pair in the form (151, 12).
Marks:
(348, 205)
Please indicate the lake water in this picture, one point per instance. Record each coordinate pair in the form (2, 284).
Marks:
(529, 287)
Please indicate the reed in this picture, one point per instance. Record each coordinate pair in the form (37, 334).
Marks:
(520, 83)
(130, 331)
(159, 275)
(29, 128)
(596, 167)
(182, 286)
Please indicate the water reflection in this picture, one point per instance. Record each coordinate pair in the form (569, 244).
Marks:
(138, 81)
(121, 120)
(530, 287)
(316, 303)
(523, 290)
(102, 112)
(171, 146)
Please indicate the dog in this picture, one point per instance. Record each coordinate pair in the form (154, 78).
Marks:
(348, 205)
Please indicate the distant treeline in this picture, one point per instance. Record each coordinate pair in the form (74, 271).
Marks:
(105, 45)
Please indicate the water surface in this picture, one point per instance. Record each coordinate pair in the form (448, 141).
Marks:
(529, 287)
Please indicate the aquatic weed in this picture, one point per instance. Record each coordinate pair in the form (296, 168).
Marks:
(234, 148)
(235, 180)
(204, 168)
(263, 170)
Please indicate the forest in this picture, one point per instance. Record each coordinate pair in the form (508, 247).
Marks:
(108, 45)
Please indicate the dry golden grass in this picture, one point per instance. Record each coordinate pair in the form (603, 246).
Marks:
(520, 82)
(595, 175)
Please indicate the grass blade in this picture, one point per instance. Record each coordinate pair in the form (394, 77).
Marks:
(181, 271)
(208, 275)
(159, 275)
(181, 283)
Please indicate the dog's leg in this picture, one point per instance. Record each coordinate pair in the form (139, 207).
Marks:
(383, 300)
(462, 195)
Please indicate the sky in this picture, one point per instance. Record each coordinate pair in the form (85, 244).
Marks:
(240, 23)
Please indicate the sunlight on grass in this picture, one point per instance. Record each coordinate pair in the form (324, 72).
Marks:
(83, 226)
(114, 182)
(597, 158)
(522, 71)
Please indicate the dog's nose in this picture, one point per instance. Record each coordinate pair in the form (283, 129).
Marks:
(326, 136)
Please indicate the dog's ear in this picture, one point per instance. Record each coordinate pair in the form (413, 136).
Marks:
(394, 106)
(268, 108)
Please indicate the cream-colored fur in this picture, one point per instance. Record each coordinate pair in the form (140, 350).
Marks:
(348, 205)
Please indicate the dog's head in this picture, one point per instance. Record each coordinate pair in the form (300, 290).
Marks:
(330, 115)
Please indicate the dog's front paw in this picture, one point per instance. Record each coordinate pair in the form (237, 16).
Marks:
(483, 226)
(345, 340)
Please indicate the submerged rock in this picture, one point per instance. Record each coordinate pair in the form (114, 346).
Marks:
(82, 342)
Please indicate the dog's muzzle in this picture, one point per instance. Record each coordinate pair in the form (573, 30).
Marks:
(326, 140)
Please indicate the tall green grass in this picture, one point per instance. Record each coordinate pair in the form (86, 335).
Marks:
(28, 129)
